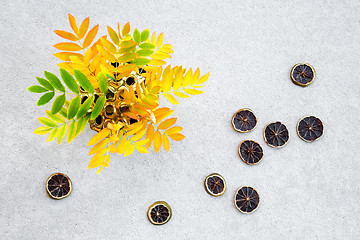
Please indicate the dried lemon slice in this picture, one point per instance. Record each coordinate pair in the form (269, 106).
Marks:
(302, 74)
(244, 120)
(250, 152)
(159, 213)
(246, 199)
(58, 186)
(276, 134)
(310, 128)
(215, 184)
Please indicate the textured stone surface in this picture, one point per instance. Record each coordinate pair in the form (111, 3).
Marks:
(307, 190)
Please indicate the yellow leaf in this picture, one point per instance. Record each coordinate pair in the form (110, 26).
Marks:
(90, 36)
(177, 136)
(76, 60)
(167, 123)
(129, 150)
(72, 131)
(73, 23)
(153, 38)
(162, 113)
(99, 154)
(157, 141)
(99, 171)
(97, 162)
(112, 149)
(160, 55)
(160, 40)
(171, 98)
(99, 136)
(188, 78)
(149, 135)
(195, 77)
(193, 91)
(52, 135)
(83, 28)
(138, 135)
(108, 45)
(61, 133)
(66, 35)
(167, 84)
(100, 145)
(123, 145)
(203, 79)
(65, 56)
(114, 138)
(157, 62)
(67, 46)
(173, 130)
(114, 37)
(178, 80)
(105, 53)
(126, 29)
(42, 130)
(166, 143)
(180, 94)
(141, 149)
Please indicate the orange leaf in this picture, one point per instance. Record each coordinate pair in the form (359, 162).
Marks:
(126, 29)
(157, 62)
(114, 37)
(167, 123)
(65, 46)
(73, 24)
(66, 35)
(65, 56)
(90, 36)
(173, 130)
(149, 135)
(177, 136)
(166, 143)
(157, 141)
(83, 28)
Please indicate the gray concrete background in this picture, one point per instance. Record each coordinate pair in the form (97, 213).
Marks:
(308, 191)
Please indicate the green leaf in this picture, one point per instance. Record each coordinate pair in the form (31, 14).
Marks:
(84, 81)
(99, 105)
(45, 84)
(145, 52)
(69, 81)
(145, 35)
(47, 122)
(74, 107)
(42, 130)
(54, 81)
(147, 46)
(63, 112)
(103, 82)
(45, 98)
(72, 131)
(85, 107)
(140, 61)
(81, 124)
(55, 117)
(136, 35)
(53, 134)
(61, 133)
(58, 104)
(37, 89)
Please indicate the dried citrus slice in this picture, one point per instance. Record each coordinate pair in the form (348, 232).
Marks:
(310, 128)
(215, 184)
(159, 213)
(302, 74)
(250, 152)
(244, 120)
(246, 199)
(276, 134)
(58, 186)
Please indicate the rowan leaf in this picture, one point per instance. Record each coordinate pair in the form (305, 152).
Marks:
(123, 145)
(137, 36)
(81, 124)
(90, 36)
(52, 134)
(145, 35)
(42, 130)
(97, 162)
(147, 46)
(66, 35)
(73, 23)
(44, 99)
(171, 98)
(157, 141)
(69, 81)
(167, 123)
(68, 46)
(166, 143)
(85, 107)
(160, 40)
(141, 149)
(37, 89)
(187, 78)
(126, 29)
(99, 136)
(127, 57)
(149, 135)
(180, 94)
(45, 83)
(73, 107)
(108, 45)
(84, 81)
(195, 77)
(177, 136)
(103, 82)
(47, 122)
(58, 104)
(173, 130)
(100, 145)
(105, 53)
(145, 52)
(61, 133)
(99, 105)
(55, 117)
(113, 35)
(65, 56)
(129, 150)
(83, 28)
(193, 91)
(203, 79)
(54, 81)
(141, 61)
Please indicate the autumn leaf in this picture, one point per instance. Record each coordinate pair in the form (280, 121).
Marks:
(67, 46)
(66, 35)
(157, 141)
(90, 36)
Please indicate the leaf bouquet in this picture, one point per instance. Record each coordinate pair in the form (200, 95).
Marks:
(114, 84)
